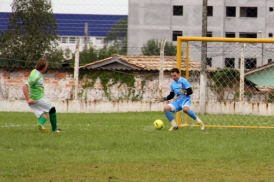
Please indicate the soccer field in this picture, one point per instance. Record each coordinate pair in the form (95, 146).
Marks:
(126, 147)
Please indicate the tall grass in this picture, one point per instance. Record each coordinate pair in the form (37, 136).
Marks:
(126, 147)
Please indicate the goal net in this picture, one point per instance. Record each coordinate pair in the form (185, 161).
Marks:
(234, 86)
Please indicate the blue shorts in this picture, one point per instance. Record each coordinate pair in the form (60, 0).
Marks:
(180, 103)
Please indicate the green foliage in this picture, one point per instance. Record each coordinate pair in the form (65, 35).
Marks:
(126, 147)
(170, 49)
(222, 79)
(67, 53)
(153, 46)
(32, 32)
(3, 39)
(270, 98)
(117, 36)
(92, 54)
(108, 79)
(55, 57)
(88, 56)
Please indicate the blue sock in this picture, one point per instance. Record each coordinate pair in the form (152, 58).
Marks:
(169, 115)
(192, 114)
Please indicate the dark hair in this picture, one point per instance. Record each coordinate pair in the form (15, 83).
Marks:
(174, 70)
(41, 64)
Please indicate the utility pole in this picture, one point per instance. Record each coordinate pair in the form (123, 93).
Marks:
(203, 78)
(86, 36)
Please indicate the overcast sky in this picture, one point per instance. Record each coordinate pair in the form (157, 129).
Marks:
(113, 7)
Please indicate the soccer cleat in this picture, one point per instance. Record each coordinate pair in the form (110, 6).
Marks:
(200, 123)
(173, 128)
(42, 128)
(58, 131)
(202, 126)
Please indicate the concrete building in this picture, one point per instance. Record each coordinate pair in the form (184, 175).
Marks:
(156, 19)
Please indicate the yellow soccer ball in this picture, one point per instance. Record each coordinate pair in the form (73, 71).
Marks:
(158, 124)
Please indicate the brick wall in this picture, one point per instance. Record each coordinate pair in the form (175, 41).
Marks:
(59, 85)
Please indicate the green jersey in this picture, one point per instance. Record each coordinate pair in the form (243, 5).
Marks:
(36, 85)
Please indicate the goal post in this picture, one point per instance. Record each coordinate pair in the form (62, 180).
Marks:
(227, 84)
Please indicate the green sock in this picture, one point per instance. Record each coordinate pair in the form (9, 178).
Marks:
(53, 121)
(42, 120)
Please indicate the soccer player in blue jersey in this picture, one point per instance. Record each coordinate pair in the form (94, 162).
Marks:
(180, 89)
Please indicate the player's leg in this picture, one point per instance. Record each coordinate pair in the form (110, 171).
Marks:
(42, 117)
(186, 108)
(53, 119)
(46, 106)
(169, 110)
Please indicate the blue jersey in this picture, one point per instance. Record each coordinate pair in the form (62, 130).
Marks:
(176, 87)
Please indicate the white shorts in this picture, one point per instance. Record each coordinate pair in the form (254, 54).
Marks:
(41, 106)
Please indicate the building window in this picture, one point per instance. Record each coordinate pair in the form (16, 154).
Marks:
(175, 34)
(250, 63)
(230, 34)
(64, 40)
(230, 62)
(269, 60)
(209, 62)
(248, 35)
(210, 11)
(72, 40)
(99, 40)
(270, 9)
(248, 11)
(230, 11)
(209, 34)
(178, 10)
(270, 34)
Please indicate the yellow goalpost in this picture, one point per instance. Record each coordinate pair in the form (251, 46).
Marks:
(233, 90)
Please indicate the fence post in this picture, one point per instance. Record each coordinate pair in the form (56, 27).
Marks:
(242, 74)
(76, 70)
(161, 72)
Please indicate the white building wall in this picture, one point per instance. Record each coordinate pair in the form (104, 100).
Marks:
(71, 41)
(154, 19)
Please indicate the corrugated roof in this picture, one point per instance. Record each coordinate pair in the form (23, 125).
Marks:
(74, 24)
(260, 68)
(151, 63)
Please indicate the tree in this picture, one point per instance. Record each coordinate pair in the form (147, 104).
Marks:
(152, 47)
(32, 32)
(91, 55)
(117, 36)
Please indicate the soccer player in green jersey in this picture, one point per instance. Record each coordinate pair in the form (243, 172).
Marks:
(33, 90)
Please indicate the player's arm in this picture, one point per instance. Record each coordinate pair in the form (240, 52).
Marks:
(26, 93)
(162, 99)
(188, 91)
(170, 96)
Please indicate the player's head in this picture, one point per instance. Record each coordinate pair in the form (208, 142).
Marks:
(175, 73)
(42, 65)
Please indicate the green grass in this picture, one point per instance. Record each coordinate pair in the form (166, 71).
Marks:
(126, 147)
